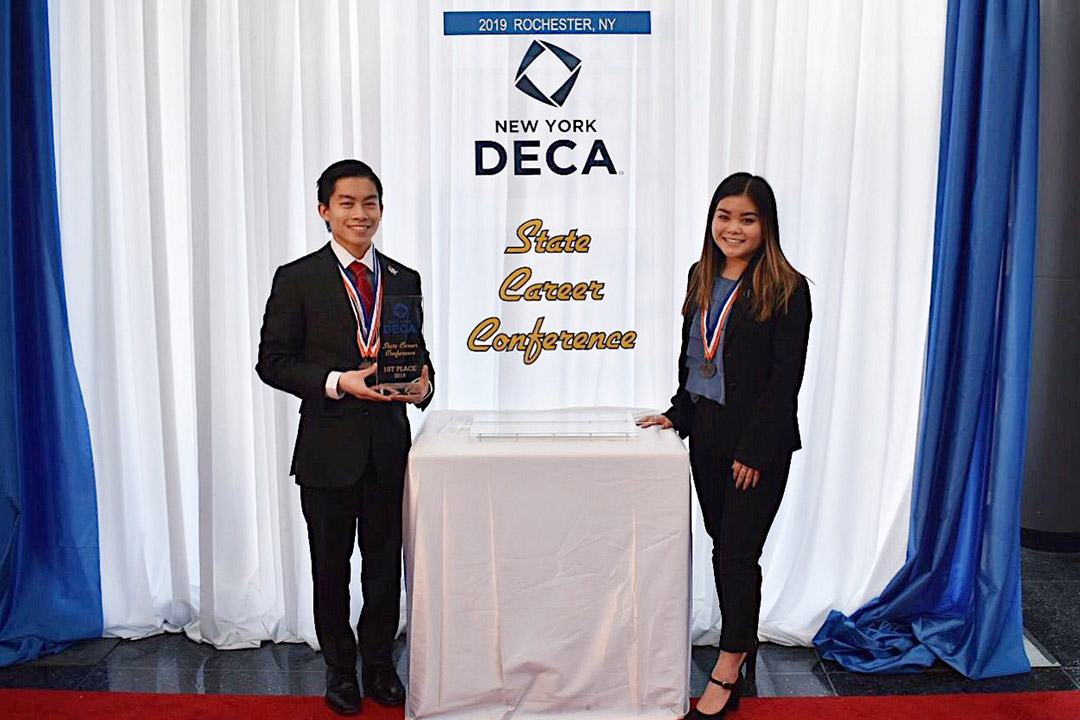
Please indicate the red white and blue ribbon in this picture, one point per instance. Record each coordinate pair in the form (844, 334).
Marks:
(367, 327)
(710, 339)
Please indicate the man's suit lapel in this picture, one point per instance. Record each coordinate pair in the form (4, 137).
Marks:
(391, 275)
(336, 298)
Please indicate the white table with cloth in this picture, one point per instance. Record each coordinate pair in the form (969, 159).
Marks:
(548, 577)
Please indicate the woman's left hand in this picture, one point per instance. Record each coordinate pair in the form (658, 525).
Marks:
(660, 421)
(745, 476)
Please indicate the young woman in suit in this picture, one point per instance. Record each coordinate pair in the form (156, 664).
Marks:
(746, 321)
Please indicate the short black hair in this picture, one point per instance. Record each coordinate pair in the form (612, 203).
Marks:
(343, 169)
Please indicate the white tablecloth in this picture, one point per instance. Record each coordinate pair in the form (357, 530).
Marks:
(546, 578)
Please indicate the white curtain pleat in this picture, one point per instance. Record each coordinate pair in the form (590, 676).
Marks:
(189, 136)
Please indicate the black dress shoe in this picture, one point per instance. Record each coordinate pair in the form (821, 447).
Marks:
(382, 685)
(342, 691)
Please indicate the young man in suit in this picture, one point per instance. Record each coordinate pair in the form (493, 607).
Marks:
(319, 341)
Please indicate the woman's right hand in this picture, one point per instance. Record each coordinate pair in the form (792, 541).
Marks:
(660, 421)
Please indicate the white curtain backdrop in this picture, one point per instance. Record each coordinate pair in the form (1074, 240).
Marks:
(189, 136)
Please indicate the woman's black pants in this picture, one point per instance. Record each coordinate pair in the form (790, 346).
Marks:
(738, 522)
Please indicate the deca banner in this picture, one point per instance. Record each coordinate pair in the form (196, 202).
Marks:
(544, 135)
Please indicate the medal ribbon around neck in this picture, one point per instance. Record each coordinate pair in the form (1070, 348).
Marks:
(367, 328)
(710, 340)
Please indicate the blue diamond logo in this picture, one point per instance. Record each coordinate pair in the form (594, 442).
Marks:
(558, 94)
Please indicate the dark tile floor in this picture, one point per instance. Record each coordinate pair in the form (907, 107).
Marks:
(172, 663)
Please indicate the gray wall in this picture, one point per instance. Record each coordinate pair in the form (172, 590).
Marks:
(1051, 495)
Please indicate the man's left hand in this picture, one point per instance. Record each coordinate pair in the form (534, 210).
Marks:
(417, 390)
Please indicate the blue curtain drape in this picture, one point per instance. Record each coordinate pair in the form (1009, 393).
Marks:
(50, 579)
(957, 597)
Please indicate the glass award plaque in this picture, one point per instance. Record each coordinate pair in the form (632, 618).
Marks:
(401, 354)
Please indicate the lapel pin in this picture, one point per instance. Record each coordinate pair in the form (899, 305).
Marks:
(392, 269)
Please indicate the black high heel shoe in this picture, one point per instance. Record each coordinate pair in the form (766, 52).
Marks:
(731, 705)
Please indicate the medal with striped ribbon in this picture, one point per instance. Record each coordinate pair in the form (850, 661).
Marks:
(367, 326)
(710, 339)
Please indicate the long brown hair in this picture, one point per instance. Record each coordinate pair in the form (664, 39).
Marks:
(772, 279)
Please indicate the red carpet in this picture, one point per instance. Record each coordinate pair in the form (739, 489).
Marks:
(38, 704)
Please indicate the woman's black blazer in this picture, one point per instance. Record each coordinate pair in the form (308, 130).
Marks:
(763, 370)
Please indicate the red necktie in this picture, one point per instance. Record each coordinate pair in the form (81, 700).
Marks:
(363, 285)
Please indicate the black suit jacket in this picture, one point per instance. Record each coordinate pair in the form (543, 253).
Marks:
(763, 370)
(309, 330)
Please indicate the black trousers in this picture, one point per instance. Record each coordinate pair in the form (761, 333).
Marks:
(738, 522)
(333, 515)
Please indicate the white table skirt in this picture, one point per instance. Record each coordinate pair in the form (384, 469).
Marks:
(546, 578)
